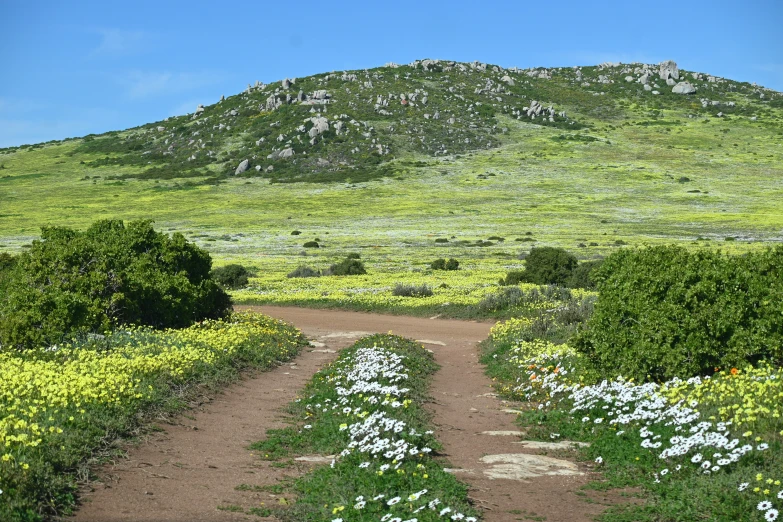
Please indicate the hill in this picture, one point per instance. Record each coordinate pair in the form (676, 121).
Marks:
(386, 160)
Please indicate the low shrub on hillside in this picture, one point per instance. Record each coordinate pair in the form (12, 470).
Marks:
(311, 244)
(346, 267)
(666, 312)
(405, 290)
(549, 266)
(231, 276)
(442, 264)
(72, 282)
(304, 271)
(583, 275)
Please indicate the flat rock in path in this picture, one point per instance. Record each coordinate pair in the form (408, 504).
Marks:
(318, 459)
(346, 335)
(427, 341)
(503, 433)
(521, 466)
(561, 444)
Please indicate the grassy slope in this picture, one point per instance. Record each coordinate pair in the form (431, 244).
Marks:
(621, 188)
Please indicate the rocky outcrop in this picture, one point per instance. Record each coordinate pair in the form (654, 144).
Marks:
(242, 167)
(684, 88)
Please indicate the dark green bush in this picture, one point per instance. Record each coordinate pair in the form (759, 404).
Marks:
(70, 283)
(353, 255)
(304, 271)
(311, 244)
(442, 264)
(404, 290)
(582, 276)
(347, 267)
(231, 276)
(514, 277)
(441, 240)
(295, 233)
(549, 266)
(664, 312)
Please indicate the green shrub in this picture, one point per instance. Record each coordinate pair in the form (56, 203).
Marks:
(441, 240)
(71, 282)
(304, 271)
(549, 266)
(442, 264)
(404, 290)
(513, 278)
(665, 312)
(295, 233)
(311, 244)
(231, 276)
(582, 276)
(348, 267)
(353, 255)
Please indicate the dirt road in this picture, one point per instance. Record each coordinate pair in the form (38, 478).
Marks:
(189, 470)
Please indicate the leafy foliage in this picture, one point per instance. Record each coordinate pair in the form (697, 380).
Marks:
(442, 264)
(348, 266)
(404, 290)
(583, 275)
(72, 282)
(549, 266)
(231, 276)
(665, 312)
(304, 271)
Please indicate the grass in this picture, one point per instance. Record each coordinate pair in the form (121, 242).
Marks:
(325, 418)
(62, 410)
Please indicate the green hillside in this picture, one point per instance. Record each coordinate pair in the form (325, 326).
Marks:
(385, 161)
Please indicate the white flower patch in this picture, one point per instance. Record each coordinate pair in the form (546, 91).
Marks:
(373, 378)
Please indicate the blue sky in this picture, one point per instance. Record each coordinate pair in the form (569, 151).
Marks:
(74, 68)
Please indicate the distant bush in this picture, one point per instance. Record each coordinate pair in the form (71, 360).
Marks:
(549, 266)
(304, 271)
(442, 264)
(514, 277)
(347, 267)
(295, 233)
(311, 244)
(582, 275)
(665, 312)
(441, 240)
(405, 290)
(70, 283)
(231, 276)
(353, 255)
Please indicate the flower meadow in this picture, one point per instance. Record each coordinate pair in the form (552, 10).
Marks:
(59, 405)
(463, 293)
(366, 410)
(707, 447)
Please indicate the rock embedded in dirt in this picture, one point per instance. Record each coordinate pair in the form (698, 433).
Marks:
(522, 466)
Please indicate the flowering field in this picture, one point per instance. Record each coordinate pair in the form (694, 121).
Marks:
(466, 292)
(366, 409)
(708, 447)
(59, 405)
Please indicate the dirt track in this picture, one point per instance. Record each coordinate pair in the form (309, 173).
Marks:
(186, 471)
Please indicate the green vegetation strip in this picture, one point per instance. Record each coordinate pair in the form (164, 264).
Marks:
(366, 409)
(64, 405)
(706, 448)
